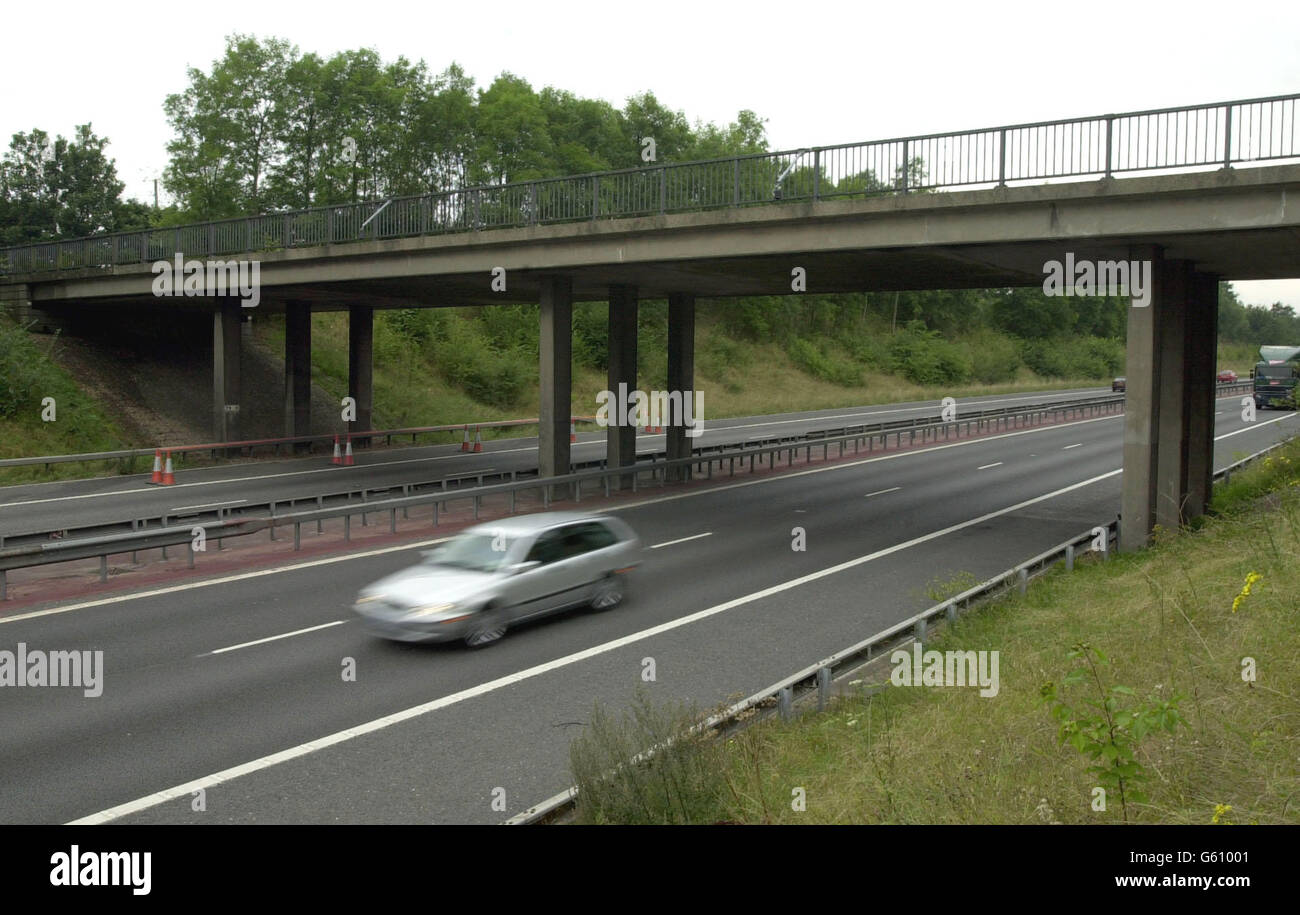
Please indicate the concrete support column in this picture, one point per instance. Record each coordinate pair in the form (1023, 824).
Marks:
(556, 345)
(681, 364)
(1201, 360)
(226, 348)
(620, 449)
(1169, 410)
(361, 362)
(1175, 389)
(297, 371)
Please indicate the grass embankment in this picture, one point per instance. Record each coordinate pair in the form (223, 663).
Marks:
(29, 375)
(1176, 624)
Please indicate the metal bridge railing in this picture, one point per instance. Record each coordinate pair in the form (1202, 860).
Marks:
(1195, 137)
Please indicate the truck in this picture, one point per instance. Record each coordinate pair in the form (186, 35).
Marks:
(1275, 376)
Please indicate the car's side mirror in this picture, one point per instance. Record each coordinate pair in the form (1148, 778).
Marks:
(520, 567)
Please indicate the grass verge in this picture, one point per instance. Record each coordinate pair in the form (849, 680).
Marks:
(1189, 689)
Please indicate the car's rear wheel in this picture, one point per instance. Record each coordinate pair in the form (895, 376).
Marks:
(608, 594)
(489, 626)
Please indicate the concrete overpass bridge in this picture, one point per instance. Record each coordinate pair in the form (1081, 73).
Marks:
(1207, 192)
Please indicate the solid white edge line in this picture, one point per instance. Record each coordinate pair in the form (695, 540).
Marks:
(275, 638)
(681, 540)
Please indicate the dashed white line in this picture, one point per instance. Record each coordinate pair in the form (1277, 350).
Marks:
(276, 638)
(682, 540)
(987, 466)
(1075, 445)
(881, 492)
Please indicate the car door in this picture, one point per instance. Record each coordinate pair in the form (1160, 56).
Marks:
(543, 587)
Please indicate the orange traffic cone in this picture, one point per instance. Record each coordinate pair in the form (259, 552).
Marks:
(157, 466)
(464, 445)
(168, 478)
(347, 455)
(573, 432)
(478, 441)
(338, 455)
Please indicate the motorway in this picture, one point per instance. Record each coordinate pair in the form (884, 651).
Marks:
(63, 504)
(234, 685)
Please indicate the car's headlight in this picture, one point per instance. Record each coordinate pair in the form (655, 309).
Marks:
(429, 610)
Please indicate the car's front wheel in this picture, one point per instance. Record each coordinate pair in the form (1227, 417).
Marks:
(609, 593)
(489, 626)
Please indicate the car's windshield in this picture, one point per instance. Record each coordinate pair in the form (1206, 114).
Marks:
(479, 552)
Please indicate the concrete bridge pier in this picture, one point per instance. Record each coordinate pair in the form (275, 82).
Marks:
(226, 352)
(1169, 409)
(361, 363)
(297, 371)
(621, 439)
(556, 364)
(681, 367)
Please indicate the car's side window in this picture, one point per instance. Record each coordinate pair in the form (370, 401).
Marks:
(548, 548)
(597, 536)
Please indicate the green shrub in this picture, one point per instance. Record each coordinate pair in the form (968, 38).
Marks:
(683, 781)
(819, 362)
(920, 356)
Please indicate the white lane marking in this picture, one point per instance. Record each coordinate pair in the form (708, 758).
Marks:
(275, 638)
(881, 492)
(242, 576)
(682, 540)
(611, 508)
(416, 711)
(186, 508)
(1075, 445)
(1253, 426)
(987, 466)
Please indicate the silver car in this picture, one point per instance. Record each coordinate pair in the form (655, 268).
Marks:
(492, 576)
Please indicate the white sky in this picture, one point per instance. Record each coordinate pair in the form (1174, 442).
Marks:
(820, 73)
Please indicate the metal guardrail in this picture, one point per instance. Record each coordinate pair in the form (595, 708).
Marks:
(27, 555)
(387, 434)
(1198, 136)
(448, 488)
(816, 679)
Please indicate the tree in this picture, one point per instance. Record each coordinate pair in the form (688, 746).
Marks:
(60, 188)
(225, 122)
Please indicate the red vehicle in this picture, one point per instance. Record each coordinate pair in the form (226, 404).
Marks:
(1227, 376)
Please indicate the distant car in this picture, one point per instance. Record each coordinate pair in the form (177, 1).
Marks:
(1227, 376)
(492, 576)
(1119, 384)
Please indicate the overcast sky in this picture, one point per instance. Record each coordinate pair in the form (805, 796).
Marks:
(820, 73)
